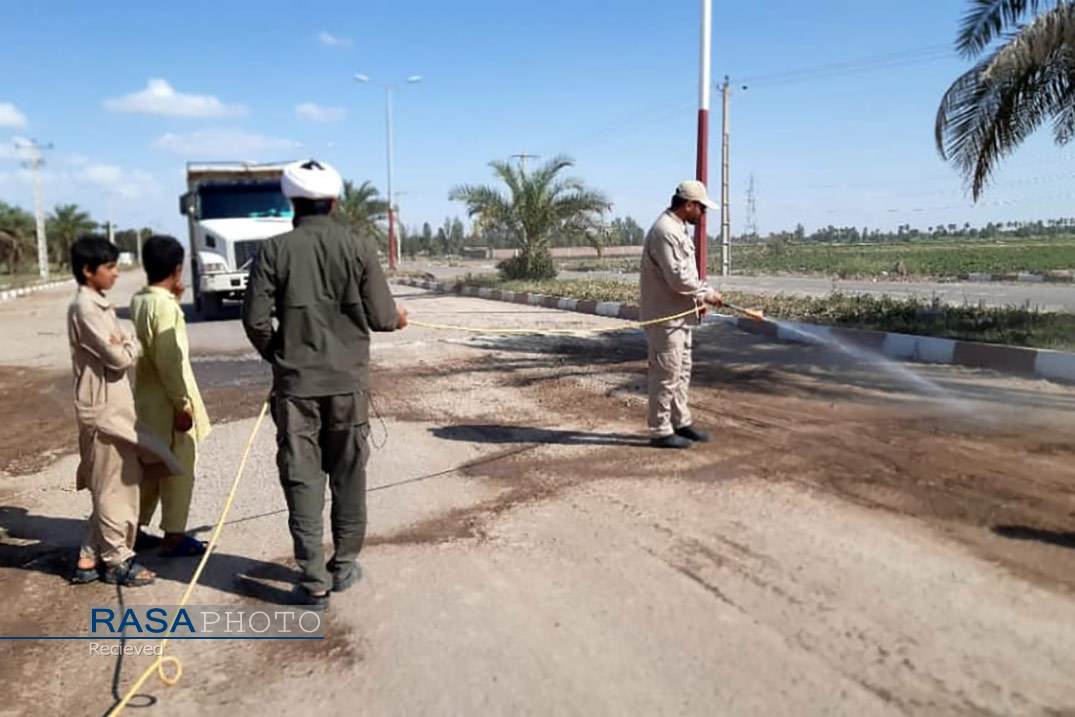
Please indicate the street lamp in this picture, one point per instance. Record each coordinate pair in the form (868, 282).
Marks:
(393, 245)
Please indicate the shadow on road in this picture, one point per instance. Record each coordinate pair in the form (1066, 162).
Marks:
(485, 433)
(49, 545)
(1058, 538)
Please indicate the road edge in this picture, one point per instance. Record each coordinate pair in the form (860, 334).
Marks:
(1039, 363)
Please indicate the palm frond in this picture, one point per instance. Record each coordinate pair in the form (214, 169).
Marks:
(989, 110)
(987, 19)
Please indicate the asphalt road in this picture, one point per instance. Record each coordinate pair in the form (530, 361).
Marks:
(1044, 296)
(848, 544)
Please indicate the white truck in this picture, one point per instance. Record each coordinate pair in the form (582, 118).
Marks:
(231, 208)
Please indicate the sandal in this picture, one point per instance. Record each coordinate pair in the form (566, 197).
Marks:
(188, 548)
(129, 574)
(82, 576)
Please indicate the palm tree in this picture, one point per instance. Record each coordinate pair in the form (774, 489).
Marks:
(361, 209)
(66, 223)
(539, 207)
(1017, 86)
(16, 235)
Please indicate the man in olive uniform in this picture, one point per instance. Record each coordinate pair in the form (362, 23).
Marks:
(326, 292)
(669, 284)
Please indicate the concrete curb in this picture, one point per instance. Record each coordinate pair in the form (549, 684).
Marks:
(9, 294)
(1040, 363)
(1058, 277)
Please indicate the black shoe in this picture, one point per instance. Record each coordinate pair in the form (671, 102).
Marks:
(146, 541)
(670, 441)
(690, 434)
(301, 595)
(345, 576)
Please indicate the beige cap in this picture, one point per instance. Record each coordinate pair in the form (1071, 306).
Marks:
(694, 191)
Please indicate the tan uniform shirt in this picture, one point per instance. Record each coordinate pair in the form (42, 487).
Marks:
(669, 282)
(103, 399)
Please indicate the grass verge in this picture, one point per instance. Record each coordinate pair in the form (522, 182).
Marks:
(1013, 326)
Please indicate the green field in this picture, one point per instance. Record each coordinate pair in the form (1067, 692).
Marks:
(937, 259)
(1015, 326)
(929, 259)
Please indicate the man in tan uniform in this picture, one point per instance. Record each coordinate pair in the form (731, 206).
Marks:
(670, 285)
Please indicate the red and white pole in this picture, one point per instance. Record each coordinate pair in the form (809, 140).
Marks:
(702, 174)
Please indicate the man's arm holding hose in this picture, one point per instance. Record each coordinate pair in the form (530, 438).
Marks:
(679, 271)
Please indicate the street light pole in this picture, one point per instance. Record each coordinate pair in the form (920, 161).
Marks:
(394, 254)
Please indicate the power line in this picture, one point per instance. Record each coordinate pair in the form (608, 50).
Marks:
(864, 64)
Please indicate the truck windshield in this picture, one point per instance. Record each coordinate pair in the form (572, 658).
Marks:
(243, 200)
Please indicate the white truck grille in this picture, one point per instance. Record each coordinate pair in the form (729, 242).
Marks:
(245, 251)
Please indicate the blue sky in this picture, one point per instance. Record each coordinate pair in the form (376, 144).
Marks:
(612, 84)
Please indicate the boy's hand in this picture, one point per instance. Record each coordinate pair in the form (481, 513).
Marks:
(182, 421)
(178, 290)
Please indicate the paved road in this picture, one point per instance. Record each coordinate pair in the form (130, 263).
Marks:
(1048, 297)
(835, 551)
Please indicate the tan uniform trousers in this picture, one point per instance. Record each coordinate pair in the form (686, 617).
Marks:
(669, 378)
(113, 476)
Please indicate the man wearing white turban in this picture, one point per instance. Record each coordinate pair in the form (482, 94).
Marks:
(327, 292)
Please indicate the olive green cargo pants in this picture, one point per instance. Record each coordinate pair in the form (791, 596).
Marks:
(315, 438)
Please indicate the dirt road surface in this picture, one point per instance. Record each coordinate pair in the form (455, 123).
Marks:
(850, 543)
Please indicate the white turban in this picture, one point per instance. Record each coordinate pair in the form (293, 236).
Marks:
(311, 179)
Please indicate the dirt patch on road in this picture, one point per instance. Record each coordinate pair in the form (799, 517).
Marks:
(577, 408)
(1005, 491)
(39, 423)
(40, 426)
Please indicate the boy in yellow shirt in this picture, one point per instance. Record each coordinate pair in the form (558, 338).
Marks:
(166, 395)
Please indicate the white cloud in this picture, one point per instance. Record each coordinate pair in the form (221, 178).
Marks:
(10, 116)
(123, 183)
(223, 144)
(320, 113)
(327, 38)
(102, 174)
(159, 98)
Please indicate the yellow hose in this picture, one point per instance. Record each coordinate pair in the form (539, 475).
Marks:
(162, 659)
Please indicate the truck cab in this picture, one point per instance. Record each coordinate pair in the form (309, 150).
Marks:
(231, 208)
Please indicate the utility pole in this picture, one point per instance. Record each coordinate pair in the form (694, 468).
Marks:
(522, 159)
(702, 169)
(725, 214)
(35, 163)
(393, 245)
